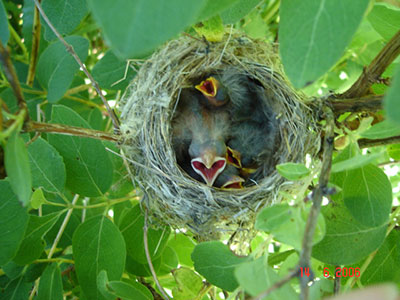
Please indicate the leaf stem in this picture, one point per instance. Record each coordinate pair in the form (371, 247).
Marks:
(57, 260)
(36, 28)
(55, 243)
(17, 39)
(97, 205)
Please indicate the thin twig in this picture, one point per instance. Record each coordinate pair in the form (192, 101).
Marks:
(71, 50)
(336, 283)
(146, 250)
(276, 285)
(364, 104)
(36, 28)
(153, 291)
(56, 240)
(318, 193)
(12, 78)
(366, 143)
(372, 73)
(70, 130)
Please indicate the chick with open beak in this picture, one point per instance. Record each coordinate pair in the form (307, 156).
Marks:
(208, 159)
(200, 133)
(213, 91)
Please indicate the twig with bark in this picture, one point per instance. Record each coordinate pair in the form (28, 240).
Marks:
(71, 50)
(148, 257)
(70, 130)
(12, 78)
(373, 72)
(318, 193)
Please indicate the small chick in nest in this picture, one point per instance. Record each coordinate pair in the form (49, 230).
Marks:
(224, 132)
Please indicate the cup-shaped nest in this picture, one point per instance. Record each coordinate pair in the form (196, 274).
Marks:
(147, 109)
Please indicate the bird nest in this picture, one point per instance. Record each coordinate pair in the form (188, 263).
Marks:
(148, 106)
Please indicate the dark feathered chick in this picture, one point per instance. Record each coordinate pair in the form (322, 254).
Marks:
(200, 134)
(229, 178)
(256, 143)
(214, 92)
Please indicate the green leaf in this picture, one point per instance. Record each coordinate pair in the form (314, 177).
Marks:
(50, 286)
(367, 194)
(276, 258)
(88, 165)
(13, 221)
(391, 101)
(141, 269)
(17, 168)
(356, 162)
(18, 289)
(109, 70)
(4, 32)
(293, 171)
(212, 8)
(188, 284)
(323, 29)
(169, 261)
(385, 266)
(255, 26)
(37, 199)
(47, 166)
(212, 29)
(131, 227)
(183, 246)
(256, 276)
(33, 244)
(238, 10)
(394, 151)
(56, 67)
(287, 224)
(97, 245)
(346, 241)
(146, 23)
(122, 289)
(385, 19)
(381, 130)
(217, 263)
(65, 15)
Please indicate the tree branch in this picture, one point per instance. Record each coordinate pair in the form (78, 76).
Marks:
(12, 78)
(148, 257)
(318, 193)
(366, 143)
(35, 47)
(70, 130)
(71, 50)
(372, 73)
(364, 104)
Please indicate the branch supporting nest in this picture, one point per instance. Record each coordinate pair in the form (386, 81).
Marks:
(373, 72)
(364, 104)
(318, 193)
(70, 130)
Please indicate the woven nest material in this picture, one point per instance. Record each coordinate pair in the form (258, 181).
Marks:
(147, 108)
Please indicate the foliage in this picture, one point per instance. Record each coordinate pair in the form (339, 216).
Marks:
(71, 225)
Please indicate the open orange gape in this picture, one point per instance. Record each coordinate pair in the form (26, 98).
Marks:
(204, 126)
